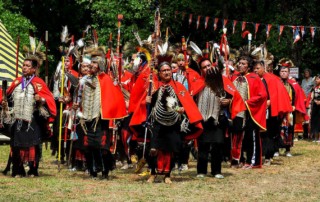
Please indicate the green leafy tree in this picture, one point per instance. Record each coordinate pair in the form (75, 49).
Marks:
(15, 22)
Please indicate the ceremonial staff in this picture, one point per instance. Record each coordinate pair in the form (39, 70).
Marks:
(224, 48)
(249, 41)
(120, 18)
(64, 36)
(46, 40)
(61, 112)
(109, 53)
(184, 49)
(156, 36)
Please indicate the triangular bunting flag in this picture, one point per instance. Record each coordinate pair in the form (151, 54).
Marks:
(280, 28)
(234, 26)
(296, 35)
(256, 27)
(313, 32)
(215, 23)
(198, 21)
(268, 28)
(243, 25)
(302, 30)
(206, 22)
(225, 21)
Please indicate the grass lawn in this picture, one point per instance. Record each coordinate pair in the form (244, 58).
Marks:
(287, 179)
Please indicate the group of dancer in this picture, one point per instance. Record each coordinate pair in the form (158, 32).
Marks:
(158, 106)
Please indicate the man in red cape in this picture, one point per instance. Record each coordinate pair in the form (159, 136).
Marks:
(166, 136)
(297, 100)
(247, 126)
(192, 81)
(101, 102)
(278, 104)
(187, 76)
(30, 121)
(217, 99)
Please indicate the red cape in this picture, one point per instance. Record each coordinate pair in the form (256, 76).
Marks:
(257, 100)
(125, 79)
(112, 101)
(300, 97)
(190, 107)
(74, 73)
(237, 104)
(139, 90)
(279, 98)
(299, 102)
(195, 81)
(41, 89)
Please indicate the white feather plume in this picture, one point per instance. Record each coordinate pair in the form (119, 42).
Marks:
(39, 46)
(149, 40)
(255, 51)
(32, 44)
(58, 69)
(64, 34)
(163, 49)
(195, 48)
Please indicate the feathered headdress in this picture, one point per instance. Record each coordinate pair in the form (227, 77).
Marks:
(34, 53)
(233, 55)
(97, 55)
(285, 62)
(244, 50)
(145, 52)
(163, 57)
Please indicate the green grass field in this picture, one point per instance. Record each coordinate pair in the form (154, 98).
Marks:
(288, 179)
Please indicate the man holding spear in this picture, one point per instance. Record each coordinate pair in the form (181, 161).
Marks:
(29, 120)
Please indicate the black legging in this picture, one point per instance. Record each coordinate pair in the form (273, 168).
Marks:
(216, 151)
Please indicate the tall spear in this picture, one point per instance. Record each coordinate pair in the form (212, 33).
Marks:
(61, 111)
(64, 36)
(109, 53)
(167, 34)
(224, 48)
(17, 56)
(120, 18)
(184, 49)
(249, 41)
(46, 40)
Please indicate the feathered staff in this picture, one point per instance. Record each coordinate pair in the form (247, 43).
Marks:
(120, 18)
(156, 35)
(61, 112)
(95, 38)
(167, 34)
(109, 53)
(224, 49)
(46, 41)
(64, 35)
(184, 49)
